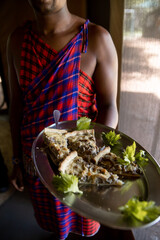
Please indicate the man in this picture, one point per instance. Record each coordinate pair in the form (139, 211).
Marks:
(60, 61)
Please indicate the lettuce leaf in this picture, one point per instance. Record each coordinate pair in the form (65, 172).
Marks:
(129, 153)
(66, 183)
(143, 211)
(83, 123)
(141, 159)
(112, 139)
(129, 156)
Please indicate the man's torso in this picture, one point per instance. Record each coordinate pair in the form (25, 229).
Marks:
(57, 42)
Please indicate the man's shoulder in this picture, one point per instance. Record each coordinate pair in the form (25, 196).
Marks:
(97, 32)
(100, 43)
(16, 37)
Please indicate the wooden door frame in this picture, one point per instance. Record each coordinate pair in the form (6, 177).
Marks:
(116, 31)
(99, 12)
(109, 14)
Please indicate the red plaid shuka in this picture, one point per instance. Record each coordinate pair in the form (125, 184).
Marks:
(53, 80)
(54, 216)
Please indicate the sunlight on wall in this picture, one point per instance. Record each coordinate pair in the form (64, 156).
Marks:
(145, 66)
(140, 80)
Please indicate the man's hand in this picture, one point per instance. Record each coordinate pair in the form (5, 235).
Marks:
(17, 178)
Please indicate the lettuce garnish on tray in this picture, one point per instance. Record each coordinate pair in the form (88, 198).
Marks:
(141, 211)
(83, 123)
(126, 156)
(112, 139)
(130, 156)
(66, 183)
(141, 159)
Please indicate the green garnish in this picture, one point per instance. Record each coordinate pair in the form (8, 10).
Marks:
(66, 183)
(112, 139)
(141, 159)
(83, 123)
(143, 211)
(130, 156)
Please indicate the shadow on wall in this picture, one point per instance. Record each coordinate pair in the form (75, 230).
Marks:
(137, 59)
(139, 118)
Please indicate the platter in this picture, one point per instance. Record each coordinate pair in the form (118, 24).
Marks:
(101, 203)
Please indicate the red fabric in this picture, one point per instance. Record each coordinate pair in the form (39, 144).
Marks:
(87, 97)
(52, 80)
(54, 216)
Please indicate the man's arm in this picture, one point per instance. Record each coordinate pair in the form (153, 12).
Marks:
(105, 77)
(15, 111)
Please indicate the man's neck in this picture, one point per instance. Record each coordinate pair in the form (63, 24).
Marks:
(54, 22)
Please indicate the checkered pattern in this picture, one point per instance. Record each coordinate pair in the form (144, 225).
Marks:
(87, 97)
(52, 80)
(54, 216)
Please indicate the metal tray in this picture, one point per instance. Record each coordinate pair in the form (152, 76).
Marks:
(101, 203)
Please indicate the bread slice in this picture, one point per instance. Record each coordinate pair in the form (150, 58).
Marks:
(87, 172)
(105, 151)
(109, 161)
(57, 143)
(84, 142)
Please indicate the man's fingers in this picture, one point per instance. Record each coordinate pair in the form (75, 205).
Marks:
(19, 186)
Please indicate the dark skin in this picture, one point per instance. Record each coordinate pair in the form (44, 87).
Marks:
(57, 26)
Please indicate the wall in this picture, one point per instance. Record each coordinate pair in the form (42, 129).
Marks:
(77, 7)
(12, 14)
(99, 12)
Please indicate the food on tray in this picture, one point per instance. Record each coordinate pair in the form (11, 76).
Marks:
(128, 165)
(83, 123)
(66, 183)
(83, 142)
(112, 140)
(115, 164)
(143, 211)
(87, 172)
(130, 156)
(75, 153)
(57, 144)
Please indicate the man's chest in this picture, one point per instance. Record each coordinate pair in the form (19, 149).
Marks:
(87, 61)
(58, 42)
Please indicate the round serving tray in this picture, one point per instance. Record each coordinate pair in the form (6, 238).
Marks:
(101, 203)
